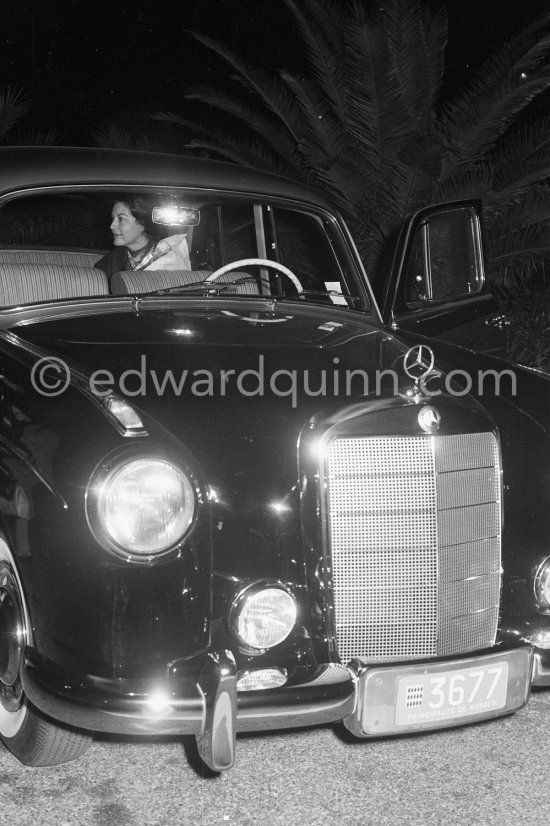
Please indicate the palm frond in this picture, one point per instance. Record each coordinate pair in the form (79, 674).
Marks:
(14, 104)
(523, 151)
(482, 129)
(318, 25)
(32, 136)
(517, 237)
(497, 93)
(316, 114)
(378, 113)
(417, 40)
(113, 136)
(264, 85)
(234, 115)
(530, 184)
(530, 47)
(245, 152)
(254, 118)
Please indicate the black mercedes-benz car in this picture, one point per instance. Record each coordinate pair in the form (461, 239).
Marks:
(235, 494)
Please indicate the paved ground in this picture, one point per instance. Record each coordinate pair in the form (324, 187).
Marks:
(496, 773)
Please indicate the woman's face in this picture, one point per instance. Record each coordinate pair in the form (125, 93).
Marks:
(127, 231)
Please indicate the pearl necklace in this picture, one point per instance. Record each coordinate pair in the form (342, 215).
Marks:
(135, 260)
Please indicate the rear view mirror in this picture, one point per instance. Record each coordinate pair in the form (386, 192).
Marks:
(175, 216)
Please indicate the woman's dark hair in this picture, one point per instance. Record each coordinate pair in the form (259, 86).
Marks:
(141, 209)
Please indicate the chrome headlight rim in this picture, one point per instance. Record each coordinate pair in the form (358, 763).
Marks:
(247, 593)
(541, 582)
(111, 466)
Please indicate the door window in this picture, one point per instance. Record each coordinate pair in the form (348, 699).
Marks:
(445, 262)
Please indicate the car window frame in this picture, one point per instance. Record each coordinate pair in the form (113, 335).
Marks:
(339, 231)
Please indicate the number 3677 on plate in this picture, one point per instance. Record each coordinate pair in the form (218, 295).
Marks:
(452, 693)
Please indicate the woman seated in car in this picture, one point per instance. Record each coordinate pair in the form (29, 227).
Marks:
(137, 245)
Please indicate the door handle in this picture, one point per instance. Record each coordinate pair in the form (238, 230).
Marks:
(500, 321)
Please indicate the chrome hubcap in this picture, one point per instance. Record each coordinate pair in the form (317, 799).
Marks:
(12, 639)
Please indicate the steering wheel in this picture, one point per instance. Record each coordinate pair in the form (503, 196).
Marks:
(262, 262)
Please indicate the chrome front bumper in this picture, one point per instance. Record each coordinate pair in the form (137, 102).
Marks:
(208, 707)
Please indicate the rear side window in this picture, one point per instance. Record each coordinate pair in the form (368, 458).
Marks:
(62, 221)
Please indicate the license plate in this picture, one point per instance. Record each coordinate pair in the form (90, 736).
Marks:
(449, 695)
(407, 697)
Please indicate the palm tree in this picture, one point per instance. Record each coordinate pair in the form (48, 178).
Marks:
(14, 105)
(372, 123)
(112, 135)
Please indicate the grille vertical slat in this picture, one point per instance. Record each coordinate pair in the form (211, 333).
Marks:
(414, 526)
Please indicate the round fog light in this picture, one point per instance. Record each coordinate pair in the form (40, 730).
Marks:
(264, 618)
(541, 584)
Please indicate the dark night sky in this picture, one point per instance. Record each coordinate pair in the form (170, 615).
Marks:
(84, 63)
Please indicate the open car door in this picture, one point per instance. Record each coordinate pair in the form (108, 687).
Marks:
(437, 285)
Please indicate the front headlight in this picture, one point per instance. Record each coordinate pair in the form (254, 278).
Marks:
(141, 508)
(262, 618)
(542, 584)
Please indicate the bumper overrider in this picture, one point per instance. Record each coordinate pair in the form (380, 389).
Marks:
(371, 700)
(541, 669)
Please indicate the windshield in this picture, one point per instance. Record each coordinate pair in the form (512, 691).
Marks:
(83, 242)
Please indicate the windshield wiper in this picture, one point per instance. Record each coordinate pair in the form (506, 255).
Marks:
(212, 287)
(206, 287)
(350, 300)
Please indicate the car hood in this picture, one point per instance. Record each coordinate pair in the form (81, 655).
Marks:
(243, 439)
(300, 355)
(236, 388)
(156, 320)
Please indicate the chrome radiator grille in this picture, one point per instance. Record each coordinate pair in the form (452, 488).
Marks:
(414, 527)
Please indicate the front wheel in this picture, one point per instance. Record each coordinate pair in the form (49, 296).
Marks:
(32, 738)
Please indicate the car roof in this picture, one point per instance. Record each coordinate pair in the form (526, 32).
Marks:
(31, 166)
